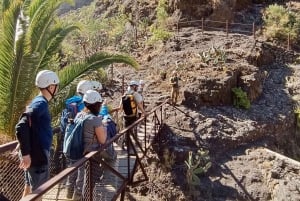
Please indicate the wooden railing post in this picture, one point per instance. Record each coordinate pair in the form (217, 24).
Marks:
(253, 30)
(123, 85)
(202, 25)
(288, 45)
(226, 28)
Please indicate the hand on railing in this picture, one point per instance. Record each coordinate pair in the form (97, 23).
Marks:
(25, 162)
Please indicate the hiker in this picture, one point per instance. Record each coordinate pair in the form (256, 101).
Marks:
(140, 91)
(75, 103)
(96, 86)
(130, 102)
(35, 152)
(94, 134)
(141, 87)
(175, 87)
(73, 106)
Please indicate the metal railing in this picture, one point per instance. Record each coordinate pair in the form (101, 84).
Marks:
(12, 178)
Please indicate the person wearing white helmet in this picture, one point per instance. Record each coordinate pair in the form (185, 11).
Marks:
(35, 152)
(141, 87)
(130, 103)
(74, 105)
(140, 91)
(96, 85)
(83, 86)
(94, 135)
(138, 99)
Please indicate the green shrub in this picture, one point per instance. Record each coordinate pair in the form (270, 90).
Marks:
(279, 22)
(159, 29)
(240, 98)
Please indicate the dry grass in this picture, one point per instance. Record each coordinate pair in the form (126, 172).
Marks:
(5, 138)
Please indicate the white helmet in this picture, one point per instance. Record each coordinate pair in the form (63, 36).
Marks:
(96, 85)
(92, 96)
(83, 86)
(45, 78)
(142, 82)
(133, 82)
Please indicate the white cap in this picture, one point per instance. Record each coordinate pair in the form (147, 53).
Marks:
(83, 86)
(133, 82)
(45, 78)
(92, 96)
(96, 85)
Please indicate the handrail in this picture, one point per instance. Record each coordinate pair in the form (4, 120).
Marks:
(185, 113)
(59, 177)
(8, 146)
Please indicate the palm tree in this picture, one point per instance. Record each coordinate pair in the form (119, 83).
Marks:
(31, 36)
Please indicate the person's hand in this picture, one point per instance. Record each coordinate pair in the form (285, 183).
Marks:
(104, 101)
(25, 162)
(143, 114)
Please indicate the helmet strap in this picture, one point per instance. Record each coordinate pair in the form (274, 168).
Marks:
(52, 94)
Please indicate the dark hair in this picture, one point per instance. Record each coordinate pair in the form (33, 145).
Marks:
(93, 108)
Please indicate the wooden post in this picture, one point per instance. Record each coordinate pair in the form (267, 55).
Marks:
(226, 28)
(288, 45)
(123, 85)
(202, 25)
(253, 29)
(112, 73)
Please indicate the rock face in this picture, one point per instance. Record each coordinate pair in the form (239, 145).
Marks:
(77, 4)
(209, 120)
(209, 90)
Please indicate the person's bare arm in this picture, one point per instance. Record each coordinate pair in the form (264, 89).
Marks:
(141, 107)
(101, 134)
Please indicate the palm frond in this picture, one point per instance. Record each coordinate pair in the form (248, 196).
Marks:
(5, 5)
(54, 40)
(98, 60)
(42, 15)
(7, 60)
(68, 75)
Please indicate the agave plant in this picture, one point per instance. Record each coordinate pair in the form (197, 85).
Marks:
(31, 35)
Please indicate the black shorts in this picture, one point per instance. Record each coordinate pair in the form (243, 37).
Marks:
(129, 120)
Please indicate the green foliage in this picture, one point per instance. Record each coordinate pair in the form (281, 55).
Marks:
(297, 114)
(161, 11)
(159, 29)
(163, 74)
(240, 98)
(31, 41)
(197, 164)
(214, 55)
(30, 38)
(279, 22)
(159, 34)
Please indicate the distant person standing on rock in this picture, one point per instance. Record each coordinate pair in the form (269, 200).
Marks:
(174, 82)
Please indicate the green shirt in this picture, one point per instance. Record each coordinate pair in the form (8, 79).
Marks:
(174, 81)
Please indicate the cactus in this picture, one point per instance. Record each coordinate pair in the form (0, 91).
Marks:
(197, 164)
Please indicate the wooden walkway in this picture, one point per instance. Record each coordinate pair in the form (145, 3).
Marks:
(110, 183)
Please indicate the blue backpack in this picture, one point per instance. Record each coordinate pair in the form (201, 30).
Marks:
(111, 128)
(73, 146)
(73, 106)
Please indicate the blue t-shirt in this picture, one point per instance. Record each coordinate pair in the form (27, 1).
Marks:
(41, 121)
